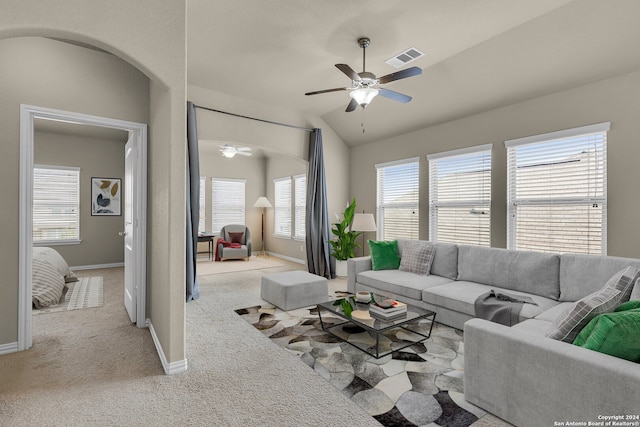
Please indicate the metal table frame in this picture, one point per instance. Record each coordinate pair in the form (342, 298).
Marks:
(380, 326)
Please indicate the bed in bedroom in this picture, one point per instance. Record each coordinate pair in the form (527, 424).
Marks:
(50, 275)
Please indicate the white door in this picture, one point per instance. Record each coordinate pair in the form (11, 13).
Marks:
(130, 285)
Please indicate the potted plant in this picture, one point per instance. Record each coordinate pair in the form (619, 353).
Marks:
(345, 240)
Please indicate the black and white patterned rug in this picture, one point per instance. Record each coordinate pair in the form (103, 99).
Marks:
(421, 385)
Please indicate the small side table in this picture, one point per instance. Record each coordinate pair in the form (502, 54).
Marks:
(207, 237)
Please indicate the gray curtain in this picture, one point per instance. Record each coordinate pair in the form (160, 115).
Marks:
(193, 203)
(317, 218)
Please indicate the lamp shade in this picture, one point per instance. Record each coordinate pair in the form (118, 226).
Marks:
(363, 222)
(363, 96)
(262, 202)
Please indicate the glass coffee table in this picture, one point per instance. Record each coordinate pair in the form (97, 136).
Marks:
(373, 335)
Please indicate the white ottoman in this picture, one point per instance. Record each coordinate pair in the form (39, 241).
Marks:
(294, 289)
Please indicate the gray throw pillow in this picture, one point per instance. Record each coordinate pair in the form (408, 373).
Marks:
(617, 290)
(417, 257)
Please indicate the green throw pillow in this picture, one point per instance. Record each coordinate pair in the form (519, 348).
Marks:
(384, 255)
(616, 334)
(629, 305)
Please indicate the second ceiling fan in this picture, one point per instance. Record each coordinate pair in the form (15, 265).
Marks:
(365, 85)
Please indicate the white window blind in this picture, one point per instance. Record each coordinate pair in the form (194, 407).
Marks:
(460, 196)
(202, 220)
(282, 207)
(56, 204)
(557, 191)
(398, 199)
(227, 202)
(300, 185)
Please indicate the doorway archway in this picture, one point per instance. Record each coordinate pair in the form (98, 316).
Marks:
(138, 133)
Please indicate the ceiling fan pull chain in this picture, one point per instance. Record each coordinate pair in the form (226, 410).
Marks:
(362, 123)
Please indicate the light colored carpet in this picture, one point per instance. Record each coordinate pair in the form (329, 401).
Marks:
(93, 368)
(205, 266)
(85, 293)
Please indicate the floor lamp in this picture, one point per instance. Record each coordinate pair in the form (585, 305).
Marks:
(262, 202)
(363, 222)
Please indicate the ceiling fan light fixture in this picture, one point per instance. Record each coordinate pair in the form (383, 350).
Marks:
(228, 152)
(363, 95)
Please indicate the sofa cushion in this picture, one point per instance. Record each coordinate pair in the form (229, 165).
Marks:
(461, 296)
(531, 272)
(417, 257)
(532, 326)
(616, 334)
(552, 314)
(445, 260)
(616, 291)
(397, 282)
(384, 255)
(581, 275)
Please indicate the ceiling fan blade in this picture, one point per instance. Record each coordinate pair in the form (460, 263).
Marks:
(327, 90)
(243, 149)
(244, 153)
(352, 106)
(396, 96)
(409, 72)
(348, 71)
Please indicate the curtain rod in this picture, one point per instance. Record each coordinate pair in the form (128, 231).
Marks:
(253, 118)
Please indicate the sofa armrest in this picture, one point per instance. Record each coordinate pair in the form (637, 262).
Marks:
(532, 380)
(355, 266)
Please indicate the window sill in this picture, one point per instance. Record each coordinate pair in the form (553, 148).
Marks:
(281, 236)
(56, 242)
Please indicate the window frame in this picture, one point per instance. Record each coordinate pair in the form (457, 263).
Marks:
(459, 160)
(513, 202)
(299, 207)
(413, 204)
(75, 238)
(282, 208)
(241, 217)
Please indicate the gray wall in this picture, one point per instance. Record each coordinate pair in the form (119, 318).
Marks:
(96, 157)
(47, 73)
(616, 100)
(252, 169)
(153, 43)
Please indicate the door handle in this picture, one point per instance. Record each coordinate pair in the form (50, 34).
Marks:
(122, 233)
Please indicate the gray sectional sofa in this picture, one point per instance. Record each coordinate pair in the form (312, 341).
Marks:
(516, 372)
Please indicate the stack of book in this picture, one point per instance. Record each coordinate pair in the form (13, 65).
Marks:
(397, 310)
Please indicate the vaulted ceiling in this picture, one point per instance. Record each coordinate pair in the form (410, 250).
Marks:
(479, 55)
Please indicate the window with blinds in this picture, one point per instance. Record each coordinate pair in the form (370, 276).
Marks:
(557, 191)
(227, 202)
(282, 207)
(56, 204)
(300, 206)
(398, 199)
(460, 196)
(202, 219)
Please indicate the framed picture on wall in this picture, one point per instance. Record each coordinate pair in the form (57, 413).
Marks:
(105, 196)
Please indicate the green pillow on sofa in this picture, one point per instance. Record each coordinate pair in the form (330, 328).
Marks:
(384, 255)
(616, 334)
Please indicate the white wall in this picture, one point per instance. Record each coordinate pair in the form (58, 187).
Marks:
(616, 100)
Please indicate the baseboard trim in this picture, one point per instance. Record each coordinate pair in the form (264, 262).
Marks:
(11, 347)
(96, 266)
(169, 368)
(296, 260)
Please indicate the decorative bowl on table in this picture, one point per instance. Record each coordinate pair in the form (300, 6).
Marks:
(363, 297)
(383, 300)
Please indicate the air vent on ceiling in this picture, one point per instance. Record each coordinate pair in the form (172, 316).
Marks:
(404, 57)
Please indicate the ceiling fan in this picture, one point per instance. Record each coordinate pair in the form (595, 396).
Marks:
(365, 85)
(231, 150)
